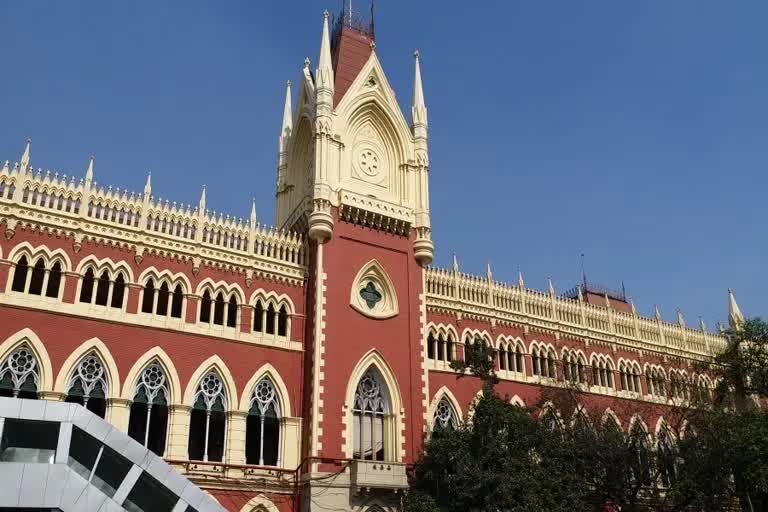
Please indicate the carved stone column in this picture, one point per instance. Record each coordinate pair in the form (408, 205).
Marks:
(178, 432)
(236, 421)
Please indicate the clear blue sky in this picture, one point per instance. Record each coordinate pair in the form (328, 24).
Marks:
(635, 132)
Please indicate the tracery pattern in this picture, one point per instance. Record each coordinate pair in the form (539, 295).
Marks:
(19, 373)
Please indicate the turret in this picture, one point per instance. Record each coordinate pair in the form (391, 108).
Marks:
(423, 246)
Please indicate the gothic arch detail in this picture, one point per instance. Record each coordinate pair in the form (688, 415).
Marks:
(373, 294)
(159, 356)
(213, 363)
(69, 367)
(26, 337)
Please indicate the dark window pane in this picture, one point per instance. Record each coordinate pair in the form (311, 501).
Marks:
(162, 300)
(216, 436)
(149, 297)
(102, 290)
(20, 275)
(178, 297)
(158, 427)
(29, 441)
(196, 434)
(258, 317)
(118, 292)
(110, 471)
(137, 421)
(218, 311)
(36, 281)
(83, 450)
(282, 322)
(271, 319)
(232, 312)
(149, 495)
(54, 281)
(86, 288)
(205, 308)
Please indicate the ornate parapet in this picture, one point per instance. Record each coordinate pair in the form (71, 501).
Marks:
(481, 297)
(83, 211)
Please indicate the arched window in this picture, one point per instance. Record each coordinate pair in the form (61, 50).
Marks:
(118, 292)
(262, 437)
(102, 289)
(270, 328)
(38, 276)
(639, 465)
(205, 308)
(232, 312)
(666, 457)
(88, 386)
(444, 417)
(550, 419)
(258, 317)
(218, 310)
(440, 347)
(176, 303)
(503, 356)
(370, 411)
(19, 374)
(54, 281)
(148, 301)
(282, 321)
(208, 421)
(148, 422)
(163, 296)
(20, 275)
(544, 362)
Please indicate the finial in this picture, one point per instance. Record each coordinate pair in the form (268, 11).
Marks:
(680, 319)
(253, 211)
(326, 14)
(455, 263)
(306, 62)
(488, 272)
(287, 112)
(607, 300)
(201, 203)
(24, 162)
(324, 64)
(735, 317)
(520, 281)
(418, 109)
(579, 293)
(632, 305)
(89, 170)
(657, 311)
(702, 326)
(373, 45)
(550, 286)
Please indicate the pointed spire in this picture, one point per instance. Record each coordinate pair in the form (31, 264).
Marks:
(89, 171)
(680, 319)
(520, 281)
(735, 318)
(455, 263)
(632, 305)
(702, 326)
(148, 185)
(253, 212)
(657, 312)
(418, 109)
(579, 294)
(24, 162)
(324, 64)
(287, 112)
(488, 272)
(201, 203)
(550, 286)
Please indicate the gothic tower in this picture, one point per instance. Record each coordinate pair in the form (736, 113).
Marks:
(353, 172)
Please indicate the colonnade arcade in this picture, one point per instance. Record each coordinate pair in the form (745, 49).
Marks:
(207, 423)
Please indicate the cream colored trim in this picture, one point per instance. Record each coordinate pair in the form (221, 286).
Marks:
(271, 296)
(27, 337)
(476, 332)
(609, 413)
(516, 400)
(635, 419)
(102, 351)
(374, 359)
(99, 265)
(444, 392)
(216, 287)
(34, 252)
(318, 357)
(283, 397)
(172, 376)
(424, 331)
(259, 503)
(160, 276)
(212, 363)
(387, 307)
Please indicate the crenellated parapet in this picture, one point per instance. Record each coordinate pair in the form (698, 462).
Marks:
(481, 297)
(83, 210)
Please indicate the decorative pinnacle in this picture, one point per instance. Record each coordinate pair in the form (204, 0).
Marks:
(24, 163)
(89, 170)
(520, 281)
(306, 62)
(326, 14)
(148, 184)
(735, 317)
(550, 286)
(455, 263)
(253, 211)
(488, 272)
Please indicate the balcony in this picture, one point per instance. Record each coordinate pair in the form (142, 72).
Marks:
(379, 475)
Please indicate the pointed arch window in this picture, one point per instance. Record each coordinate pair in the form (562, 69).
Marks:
(20, 275)
(54, 281)
(371, 418)
(19, 374)
(262, 438)
(219, 311)
(88, 386)
(640, 463)
(37, 278)
(148, 422)
(208, 420)
(444, 417)
(667, 457)
(159, 300)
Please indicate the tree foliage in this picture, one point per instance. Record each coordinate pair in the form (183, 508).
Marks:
(712, 456)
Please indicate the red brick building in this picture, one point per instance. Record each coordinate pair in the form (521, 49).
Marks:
(301, 366)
